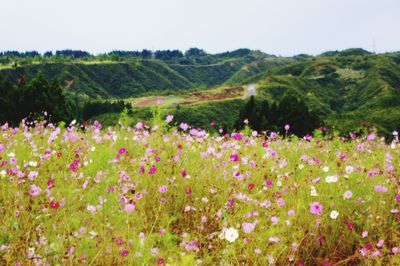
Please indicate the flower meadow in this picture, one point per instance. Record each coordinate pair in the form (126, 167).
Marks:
(176, 195)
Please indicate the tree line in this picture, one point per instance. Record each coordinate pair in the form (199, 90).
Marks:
(262, 115)
(40, 98)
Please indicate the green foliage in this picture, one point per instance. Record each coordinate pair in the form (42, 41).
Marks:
(38, 97)
(290, 110)
(224, 114)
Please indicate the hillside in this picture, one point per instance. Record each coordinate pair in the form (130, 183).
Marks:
(344, 88)
(130, 77)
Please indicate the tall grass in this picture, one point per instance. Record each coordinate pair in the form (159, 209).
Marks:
(162, 195)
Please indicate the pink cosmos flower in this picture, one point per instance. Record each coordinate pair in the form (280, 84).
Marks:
(281, 202)
(380, 189)
(34, 190)
(163, 189)
(291, 212)
(154, 251)
(184, 126)
(274, 220)
(287, 127)
(169, 118)
(371, 136)
(380, 243)
(248, 227)
(274, 239)
(395, 250)
(129, 208)
(348, 194)
(316, 208)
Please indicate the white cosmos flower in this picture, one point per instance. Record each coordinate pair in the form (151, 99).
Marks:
(32, 164)
(334, 214)
(313, 192)
(325, 169)
(231, 234)
(3, 173)
(331, 179)
(349, 169)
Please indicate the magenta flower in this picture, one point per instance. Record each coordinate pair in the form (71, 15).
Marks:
(54, 204)
(152, 170)
(183, 173)
(234, 157)
(124, 253)
(316, 208)
(397, 198)
(50, 183)
(237, 136)
(269, 183)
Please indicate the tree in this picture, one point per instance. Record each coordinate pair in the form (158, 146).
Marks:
(7, 101)
(195, 52)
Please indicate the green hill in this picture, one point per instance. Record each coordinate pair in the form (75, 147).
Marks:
(343, 87)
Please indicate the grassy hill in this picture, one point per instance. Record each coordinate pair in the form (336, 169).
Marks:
(133, 77)
(343, 87)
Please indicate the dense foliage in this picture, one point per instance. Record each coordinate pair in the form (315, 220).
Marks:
(32, 100)
(262, 116)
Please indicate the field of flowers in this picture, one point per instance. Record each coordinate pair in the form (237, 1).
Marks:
(178, 196)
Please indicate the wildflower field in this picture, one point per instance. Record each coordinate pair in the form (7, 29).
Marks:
(178, 196)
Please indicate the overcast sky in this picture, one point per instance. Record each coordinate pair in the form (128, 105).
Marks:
(281, 27)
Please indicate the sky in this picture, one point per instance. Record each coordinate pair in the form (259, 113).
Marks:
(280, 27)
